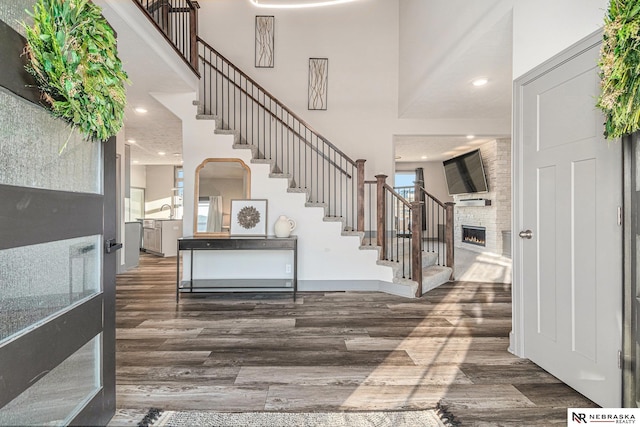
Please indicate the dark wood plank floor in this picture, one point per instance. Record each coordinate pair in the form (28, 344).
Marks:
(326, 351)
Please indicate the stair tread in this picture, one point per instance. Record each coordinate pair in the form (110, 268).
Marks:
(333, 219)
(206, 117)
(353, 233)
(435, 270)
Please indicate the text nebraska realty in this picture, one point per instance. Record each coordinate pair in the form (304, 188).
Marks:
(611, 418)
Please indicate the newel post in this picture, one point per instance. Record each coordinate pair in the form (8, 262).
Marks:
(448, 236)
(193, 34)
(418, 185)
(416, 244)
(360, 190)
(381, 232)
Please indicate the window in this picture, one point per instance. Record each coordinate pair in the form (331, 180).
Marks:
(178, 191)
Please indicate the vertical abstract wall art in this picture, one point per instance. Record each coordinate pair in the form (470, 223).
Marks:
(318, 83)
(265, 29)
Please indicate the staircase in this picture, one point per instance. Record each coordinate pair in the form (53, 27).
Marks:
(251, 124)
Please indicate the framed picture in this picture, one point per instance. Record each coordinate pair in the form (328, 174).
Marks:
(265, 28)
(318, 83)
(248, 217)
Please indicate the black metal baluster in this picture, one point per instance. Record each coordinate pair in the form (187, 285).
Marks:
(289, 148)
(340, 188)
(235, 95)
(440, 254)
(404, 240)
(301, 182)
(397, 231)
(318, 141)
(335, 185)
(324, 166)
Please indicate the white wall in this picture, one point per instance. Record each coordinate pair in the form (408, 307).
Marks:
(160, 181)
(543, 28)
(361, 42)
(434, 180)
(138, 176)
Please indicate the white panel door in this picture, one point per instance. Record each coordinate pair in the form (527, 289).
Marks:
(572, 264)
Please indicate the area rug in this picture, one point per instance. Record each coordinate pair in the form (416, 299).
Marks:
(438, 417)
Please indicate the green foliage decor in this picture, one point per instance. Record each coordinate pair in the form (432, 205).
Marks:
(72, 55)
(620, 68)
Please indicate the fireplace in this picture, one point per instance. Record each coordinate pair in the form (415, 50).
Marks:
(474, 235)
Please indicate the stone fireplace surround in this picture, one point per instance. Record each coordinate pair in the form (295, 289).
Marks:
(495, 218)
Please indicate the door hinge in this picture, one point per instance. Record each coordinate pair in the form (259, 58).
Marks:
(620, 215)
(620, 360)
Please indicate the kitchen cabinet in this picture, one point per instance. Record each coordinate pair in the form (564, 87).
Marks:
(160, 236)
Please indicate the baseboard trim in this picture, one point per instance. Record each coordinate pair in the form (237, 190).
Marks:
(338, 285)
(355, 286)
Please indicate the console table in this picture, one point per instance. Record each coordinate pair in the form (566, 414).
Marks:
(236, 244)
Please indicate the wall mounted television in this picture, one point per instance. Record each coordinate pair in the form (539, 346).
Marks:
(465, 174)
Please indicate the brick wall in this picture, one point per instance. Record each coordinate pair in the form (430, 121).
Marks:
(496, 156)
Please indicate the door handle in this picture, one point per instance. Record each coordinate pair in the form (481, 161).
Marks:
(526, 234)
(111, 246)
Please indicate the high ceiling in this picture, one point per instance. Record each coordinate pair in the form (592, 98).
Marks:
(435, 148)
(479, 48)
(478, 45)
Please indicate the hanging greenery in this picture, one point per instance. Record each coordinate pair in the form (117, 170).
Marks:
(73, 56)
(620, 68)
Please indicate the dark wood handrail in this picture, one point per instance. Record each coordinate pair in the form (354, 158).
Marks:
(276, 101)
(166, 37)
(278, 119)
(432, 197)
(397, 195)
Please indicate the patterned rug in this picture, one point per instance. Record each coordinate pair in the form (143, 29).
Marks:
(438, 417)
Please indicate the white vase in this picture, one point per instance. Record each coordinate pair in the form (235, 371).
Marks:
(284, 226)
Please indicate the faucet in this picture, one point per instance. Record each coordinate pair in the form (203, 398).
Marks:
(170, 210)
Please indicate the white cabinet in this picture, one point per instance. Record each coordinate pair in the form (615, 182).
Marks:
(168, 239)
(152, 239)
(160, 236)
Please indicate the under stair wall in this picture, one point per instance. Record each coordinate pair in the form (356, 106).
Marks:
(327, 259)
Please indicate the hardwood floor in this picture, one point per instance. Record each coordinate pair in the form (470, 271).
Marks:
(326, 351)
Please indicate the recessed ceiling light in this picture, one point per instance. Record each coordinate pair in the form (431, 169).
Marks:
(162, 153)
(470, 136)
(480, 81)
(423, 157)
(140, 110)
(398, 157)
(131, 141)
(135, 161)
